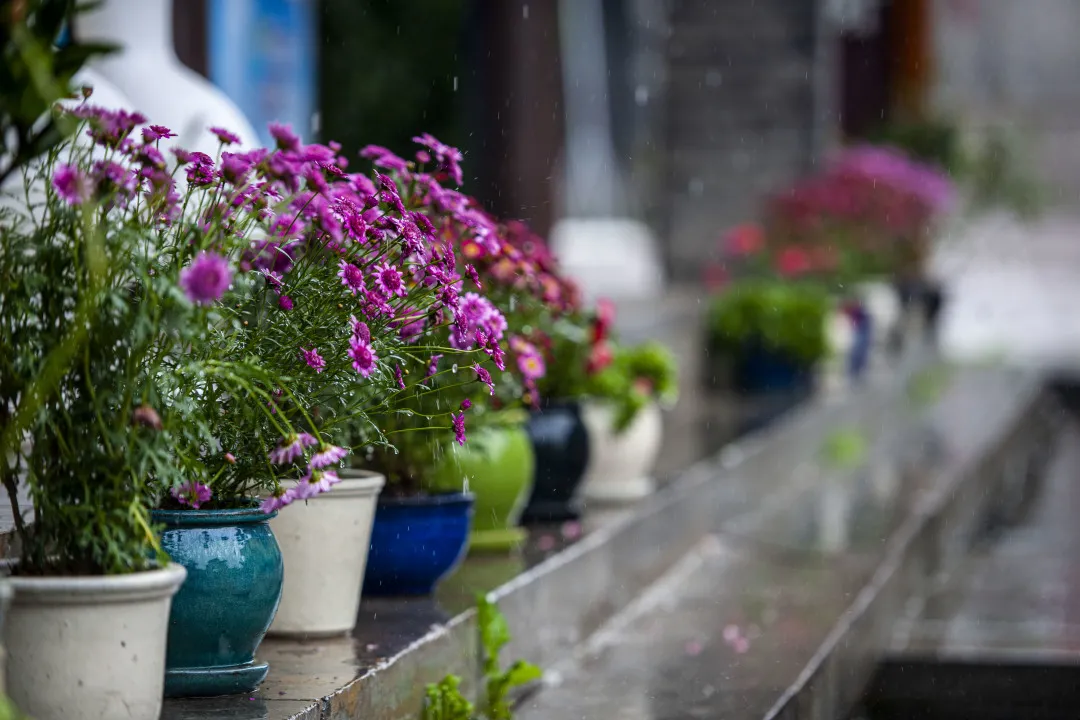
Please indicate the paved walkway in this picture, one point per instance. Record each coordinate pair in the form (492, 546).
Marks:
(1014, 290)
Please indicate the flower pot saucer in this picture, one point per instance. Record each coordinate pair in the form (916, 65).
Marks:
(550, 511)
(496, 540)
(212, 682)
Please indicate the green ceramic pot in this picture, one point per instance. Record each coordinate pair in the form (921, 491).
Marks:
(497, 463)
(225, 607)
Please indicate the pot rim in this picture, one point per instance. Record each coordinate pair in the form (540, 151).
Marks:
(96, 589)
(202, 518)
(355, 482)
(434, 500)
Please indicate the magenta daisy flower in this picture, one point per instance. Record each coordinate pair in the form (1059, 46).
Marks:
(284, 136)
(389, 280)
(72, 185)
(351, 277)
(206, 279)
(279, 499)
(314, 360)
(285, 303)
(328, 455)
(192, 493)
(291, 448)
(156, 132)
(363, 357)
(398, 378)
(226, 137)
(433, 365)
(360, 330)
(466, 404)
(484, 376)
(459, 427)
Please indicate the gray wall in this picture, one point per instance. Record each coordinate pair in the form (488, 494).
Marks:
(748, 97)
(1016, 63)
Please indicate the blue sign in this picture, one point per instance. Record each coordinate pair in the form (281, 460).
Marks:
(262, 55)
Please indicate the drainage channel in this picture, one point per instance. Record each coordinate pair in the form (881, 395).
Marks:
(784, 611)
(1000, 638)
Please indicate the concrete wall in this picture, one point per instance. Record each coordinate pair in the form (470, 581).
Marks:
(744, 104)
(1016, 63)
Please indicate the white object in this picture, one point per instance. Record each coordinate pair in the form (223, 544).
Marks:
(324, 544)
(840, 338)
(620, 465)
(86, 648)
(883, 306)
(147, 71)
(614, 258)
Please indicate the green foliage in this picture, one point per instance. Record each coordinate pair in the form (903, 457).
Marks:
(926, 386)
(787, 317)
(34, 75)
(934, 141)
(636, 376)
(845, 448)
(999, 176)
(8, 711)
(445, 701)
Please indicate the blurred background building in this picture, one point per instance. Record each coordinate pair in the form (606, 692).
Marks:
(709, 104)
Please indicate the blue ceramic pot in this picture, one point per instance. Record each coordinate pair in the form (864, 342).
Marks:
(227, 603)
(859, 356)
(416, 542)
(759, 369)
(560, 443)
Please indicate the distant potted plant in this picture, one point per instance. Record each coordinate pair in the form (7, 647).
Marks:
(624, 421)
(772, 332)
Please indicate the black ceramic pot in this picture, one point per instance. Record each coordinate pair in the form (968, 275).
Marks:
(561, 449)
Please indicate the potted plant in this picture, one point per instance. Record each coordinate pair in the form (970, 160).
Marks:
(90, 320)
(772, 331)
(624, 422)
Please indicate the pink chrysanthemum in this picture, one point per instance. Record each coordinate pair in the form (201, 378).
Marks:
(314, 360)
(351, 277)
(459, 427)
(328, 455)
(226, 137)
(206, 279)
(360, 330)
(485, 377)
(363, 357)
(285, 303)
(72, 185)
(192, 493)
(292, 448)
(389, 281)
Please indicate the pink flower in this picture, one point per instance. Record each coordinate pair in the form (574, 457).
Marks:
(72, 185)
(433, 365)
(745, 239)
(192, 493)
(226, 137)
(291, 448)
(156, 132)
(351, 277)
(459, 427)
(793, 261)
(388, 280)
(285, 303)
(284, 136)
(314, 360)
(484, 376)
(363, 357)
(398, 377)
(279, 499)
(206, 279)
(360, 330)
(328, 455)
(531, 366)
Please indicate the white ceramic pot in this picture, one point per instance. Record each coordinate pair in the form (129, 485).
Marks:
(620, 465)
(324, 543)
(85, 648)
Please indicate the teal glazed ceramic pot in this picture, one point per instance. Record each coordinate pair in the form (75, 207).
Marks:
(225, 607)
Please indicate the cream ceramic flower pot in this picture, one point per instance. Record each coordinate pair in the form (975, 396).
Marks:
(620, 465)
(324, 543)
(85, 648)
